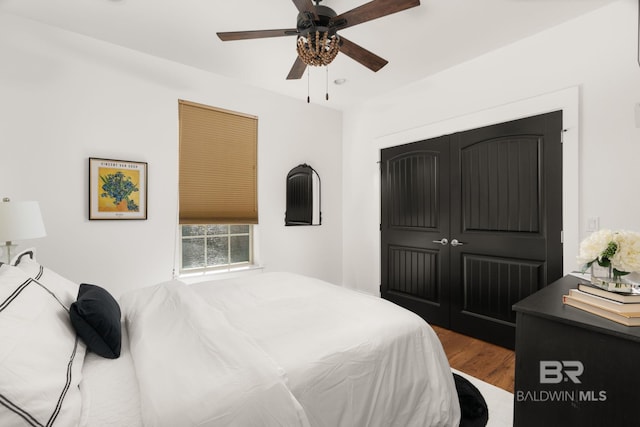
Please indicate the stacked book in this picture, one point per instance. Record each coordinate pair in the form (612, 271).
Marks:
(619, 307)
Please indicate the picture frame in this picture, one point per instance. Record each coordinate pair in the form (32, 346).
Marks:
(117, 189)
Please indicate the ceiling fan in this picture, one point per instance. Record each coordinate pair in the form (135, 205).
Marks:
(317, 40)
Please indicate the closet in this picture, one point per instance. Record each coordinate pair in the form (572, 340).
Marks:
(471, 223)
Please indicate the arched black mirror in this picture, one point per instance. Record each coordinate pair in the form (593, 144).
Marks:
(303, 197)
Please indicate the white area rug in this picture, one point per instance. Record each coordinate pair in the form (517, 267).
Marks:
(499, 401)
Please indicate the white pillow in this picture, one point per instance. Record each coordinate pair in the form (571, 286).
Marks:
(40, 355)
(23, 254)
(65, 289)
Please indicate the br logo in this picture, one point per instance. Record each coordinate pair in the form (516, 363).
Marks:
(556, 371)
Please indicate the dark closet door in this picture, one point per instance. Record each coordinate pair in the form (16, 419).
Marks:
(495, 195)
(415, 220)
(506, 199)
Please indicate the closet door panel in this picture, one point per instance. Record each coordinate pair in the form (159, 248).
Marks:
(414, 218)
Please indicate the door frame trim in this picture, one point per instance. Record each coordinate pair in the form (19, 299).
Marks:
(567, 100)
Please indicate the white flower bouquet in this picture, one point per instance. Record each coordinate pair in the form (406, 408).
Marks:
(618, 252)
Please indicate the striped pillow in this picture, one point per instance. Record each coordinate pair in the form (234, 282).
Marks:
(65, 289)
(40, 356)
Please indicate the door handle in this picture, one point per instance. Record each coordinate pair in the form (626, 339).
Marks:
(455, 242)
(442, 241)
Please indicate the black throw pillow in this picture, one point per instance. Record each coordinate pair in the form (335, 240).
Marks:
(473, 408)
(96, 318)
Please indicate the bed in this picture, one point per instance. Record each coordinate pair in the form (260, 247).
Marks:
(270, 349)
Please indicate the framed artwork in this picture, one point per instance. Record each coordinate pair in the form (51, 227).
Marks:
(117, 189)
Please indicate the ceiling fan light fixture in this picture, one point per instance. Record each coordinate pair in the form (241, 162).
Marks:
(318, 48)
(316, 29)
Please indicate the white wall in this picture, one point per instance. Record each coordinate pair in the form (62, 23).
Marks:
(65, 98)
(587, 67)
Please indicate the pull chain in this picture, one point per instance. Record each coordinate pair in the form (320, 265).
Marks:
(327, 84)
(308, 85)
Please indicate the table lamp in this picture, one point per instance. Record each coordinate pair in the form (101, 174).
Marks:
(19, 221)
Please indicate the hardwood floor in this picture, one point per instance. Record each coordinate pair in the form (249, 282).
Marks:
(488, 362)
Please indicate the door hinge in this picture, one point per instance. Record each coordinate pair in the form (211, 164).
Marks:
(562, 135)
(562, 236)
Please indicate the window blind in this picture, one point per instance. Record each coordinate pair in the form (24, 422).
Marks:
(218, 166)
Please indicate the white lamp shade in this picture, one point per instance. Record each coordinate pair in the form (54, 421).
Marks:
(20, 220)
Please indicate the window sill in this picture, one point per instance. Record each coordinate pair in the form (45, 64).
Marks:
(190, 278)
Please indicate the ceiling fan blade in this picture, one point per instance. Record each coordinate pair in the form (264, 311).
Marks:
(372, 10)
(256, 34)
(362, 55)
(297, 70)
(306, 6)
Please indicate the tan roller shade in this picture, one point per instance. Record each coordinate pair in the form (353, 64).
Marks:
(218, 166)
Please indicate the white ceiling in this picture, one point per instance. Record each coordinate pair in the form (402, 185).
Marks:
(417, 42)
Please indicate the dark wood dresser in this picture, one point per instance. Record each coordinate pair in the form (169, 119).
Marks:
(573, 368)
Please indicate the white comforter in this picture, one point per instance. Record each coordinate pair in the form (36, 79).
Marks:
(352, 360)
(278, 349)
(194, 369)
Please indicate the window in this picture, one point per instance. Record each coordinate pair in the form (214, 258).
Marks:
(218, 187)
(214, 246)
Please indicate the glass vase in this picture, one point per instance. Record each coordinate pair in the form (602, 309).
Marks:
(604, 278)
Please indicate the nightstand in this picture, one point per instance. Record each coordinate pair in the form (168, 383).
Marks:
(573, 368)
